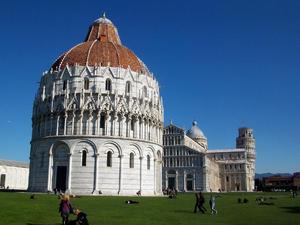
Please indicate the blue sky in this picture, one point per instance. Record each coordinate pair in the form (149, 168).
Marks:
(225, 64)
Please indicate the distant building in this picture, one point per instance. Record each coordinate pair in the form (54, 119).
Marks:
(279, 182)
(296, 180)
(188, 165)
(13, 175)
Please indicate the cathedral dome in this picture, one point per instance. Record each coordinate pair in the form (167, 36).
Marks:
(101, 47)
(195, 132)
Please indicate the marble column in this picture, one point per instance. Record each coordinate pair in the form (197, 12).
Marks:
(141, 173)
(50, 172)
(120, 174)
(80, 123)
(184, 180)
(176, 178)
(106, 126)
(166, 179)
(89, 126)
(65, 123)
(114, 119)
(96, 189)
(128, 134)
(73, 121)
(70, 173)
(98, 123)
(57, 124)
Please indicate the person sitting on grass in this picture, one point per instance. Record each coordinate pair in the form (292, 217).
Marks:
(129, 202)
(81, 218)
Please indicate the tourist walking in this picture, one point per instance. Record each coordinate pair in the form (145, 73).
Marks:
(199, 203)
(65, 208)
(212, 204)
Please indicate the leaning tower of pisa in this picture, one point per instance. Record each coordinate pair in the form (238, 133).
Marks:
(246, 140)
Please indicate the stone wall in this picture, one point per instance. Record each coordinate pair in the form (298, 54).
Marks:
(15, 177)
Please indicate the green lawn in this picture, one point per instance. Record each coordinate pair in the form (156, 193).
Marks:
(18, 208)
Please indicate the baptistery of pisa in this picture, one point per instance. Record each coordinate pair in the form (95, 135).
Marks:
(97, 121)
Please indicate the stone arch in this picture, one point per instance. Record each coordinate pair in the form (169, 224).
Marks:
(114, 144)
(138, 148)
(152, 150)
(158, 154)
(132, 168)
(87, 141)
(83, 174)
(57, 144)
(60, 161)
(109, 175)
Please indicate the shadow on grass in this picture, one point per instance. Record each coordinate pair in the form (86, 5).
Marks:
(292, 209)
(42, 224)
(184, 211)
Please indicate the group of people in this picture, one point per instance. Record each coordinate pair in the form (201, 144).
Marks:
(66, 208)
(171, 192)
(200, 200)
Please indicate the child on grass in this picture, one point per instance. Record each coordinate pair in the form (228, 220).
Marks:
(65, 208)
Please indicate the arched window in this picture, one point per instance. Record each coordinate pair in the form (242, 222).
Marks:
(86, 84)
(145, 94)
(109, 159)
(131, 160)
(108, 85)
(83, 160)
(65, 85)
(148, 162)
(127, 88)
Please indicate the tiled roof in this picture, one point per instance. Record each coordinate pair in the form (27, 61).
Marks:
(102, 47)
(13, 163)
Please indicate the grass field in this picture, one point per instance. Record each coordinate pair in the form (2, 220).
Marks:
(18, 208)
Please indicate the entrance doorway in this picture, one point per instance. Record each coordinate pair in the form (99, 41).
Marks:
(237, 187)
(2, 181)
(189, 185)
(61, 178)
(171, 182)
(189, 182)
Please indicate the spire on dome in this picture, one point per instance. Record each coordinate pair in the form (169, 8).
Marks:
(103, 30)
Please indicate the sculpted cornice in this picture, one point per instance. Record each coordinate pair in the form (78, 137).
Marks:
(107, 103)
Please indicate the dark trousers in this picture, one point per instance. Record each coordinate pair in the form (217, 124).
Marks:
(199, 206)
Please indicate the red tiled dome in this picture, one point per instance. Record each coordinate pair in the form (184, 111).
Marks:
(102, 46)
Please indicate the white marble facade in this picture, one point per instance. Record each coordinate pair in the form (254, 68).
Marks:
(188, 165)
(13, 175)
(97, 128)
